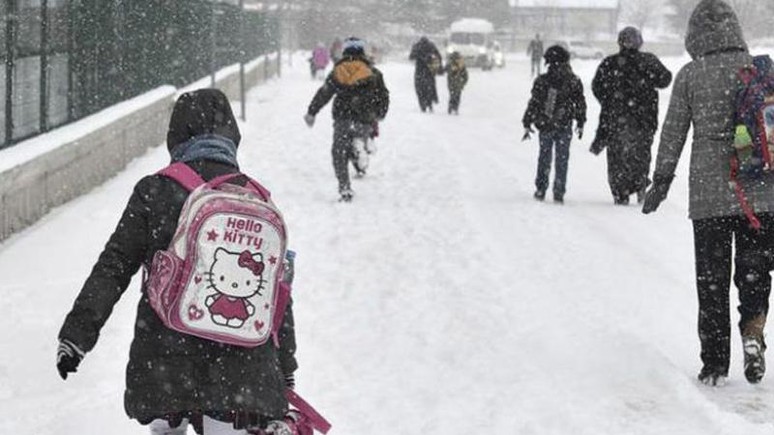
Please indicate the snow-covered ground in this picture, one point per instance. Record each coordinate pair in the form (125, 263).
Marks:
(443, 300)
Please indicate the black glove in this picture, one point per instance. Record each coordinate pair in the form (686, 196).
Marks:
(527, 132)
(290, 380)
(657, 193)
(579, 131)
(68, 356)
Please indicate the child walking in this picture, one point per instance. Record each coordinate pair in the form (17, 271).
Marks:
(456, 78)
(557, 100)
(172, 378)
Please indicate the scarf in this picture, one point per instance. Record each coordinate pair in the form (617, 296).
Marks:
(206, 147)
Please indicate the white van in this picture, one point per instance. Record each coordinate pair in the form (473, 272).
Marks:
(472, 38)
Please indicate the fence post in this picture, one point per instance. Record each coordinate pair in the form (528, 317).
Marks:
(11, 23)
(43, 65)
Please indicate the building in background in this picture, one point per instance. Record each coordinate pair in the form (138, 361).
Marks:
(565, 18)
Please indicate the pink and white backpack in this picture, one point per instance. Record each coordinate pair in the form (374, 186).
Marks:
(221, 277)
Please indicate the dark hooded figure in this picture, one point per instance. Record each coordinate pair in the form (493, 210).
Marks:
(427, 64)
(557, 100)
(626, 86)
(362, 100)
(173, 379)
(703, 98)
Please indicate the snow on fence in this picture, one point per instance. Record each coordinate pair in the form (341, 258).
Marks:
(55, 167)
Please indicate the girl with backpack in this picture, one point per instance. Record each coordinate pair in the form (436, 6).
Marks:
(557, 100)
(175, 379)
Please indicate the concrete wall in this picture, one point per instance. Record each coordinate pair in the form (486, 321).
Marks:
(85, 157)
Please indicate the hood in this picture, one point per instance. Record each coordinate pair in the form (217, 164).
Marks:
(204, 111)
(713, 27)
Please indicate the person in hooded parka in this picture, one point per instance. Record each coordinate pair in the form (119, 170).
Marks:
(626, 85)
(427, 64)
(174, 379)
(703, 97)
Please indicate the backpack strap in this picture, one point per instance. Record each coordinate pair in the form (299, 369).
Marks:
(254, 185)
(190, 179)
(741, 197)
(318, 422)
(183, 174)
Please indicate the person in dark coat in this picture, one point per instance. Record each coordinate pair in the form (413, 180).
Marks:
(557, 99)
(535, 53)
(362, 100)
(456, 78)
(703, 97)
(427, 64)
(175, 378)
(626, 86)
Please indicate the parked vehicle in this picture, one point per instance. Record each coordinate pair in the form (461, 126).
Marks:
(472, 38)
(582, 50)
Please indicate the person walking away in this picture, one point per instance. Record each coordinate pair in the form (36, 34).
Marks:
(535, 53)
(319, 60)
(456, 78)
(427, 64)
(361, 101)
(557, 99)
(173, 378)
(703, 97)
(626, 85)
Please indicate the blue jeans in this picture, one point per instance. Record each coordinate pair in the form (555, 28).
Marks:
(560, 140)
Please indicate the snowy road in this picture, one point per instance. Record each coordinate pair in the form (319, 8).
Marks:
(443, 300)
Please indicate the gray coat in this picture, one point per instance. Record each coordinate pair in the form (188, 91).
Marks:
(703, 97)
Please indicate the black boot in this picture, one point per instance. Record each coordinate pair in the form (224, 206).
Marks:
(539, 195)
(754, 361)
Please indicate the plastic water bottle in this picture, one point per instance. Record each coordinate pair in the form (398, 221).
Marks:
(290, 259)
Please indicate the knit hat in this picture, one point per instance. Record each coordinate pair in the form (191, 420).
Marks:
(353, 46)
(630, 38)
(556, 54)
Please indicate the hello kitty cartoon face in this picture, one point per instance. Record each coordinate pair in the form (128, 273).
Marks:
(235, 274)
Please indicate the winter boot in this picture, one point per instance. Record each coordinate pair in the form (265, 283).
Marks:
(346, 195)
(754, 347)
(754, 362)
(558, 199)
(712, 377)
(360, 156)
(621, 200)
(539, 195)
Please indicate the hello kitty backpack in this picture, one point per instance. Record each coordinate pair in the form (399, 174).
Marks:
(221, 277)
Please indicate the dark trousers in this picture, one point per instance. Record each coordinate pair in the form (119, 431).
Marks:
(454, 100)
(713, 239)
(628, 162)
(550, 141)
(343, 150)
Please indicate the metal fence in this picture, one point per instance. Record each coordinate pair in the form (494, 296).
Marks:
(66, 59)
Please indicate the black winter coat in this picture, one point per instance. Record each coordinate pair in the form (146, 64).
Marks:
(360, 92)
(626, 86)
(427, 64)
(169, 372)
(557, 99)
